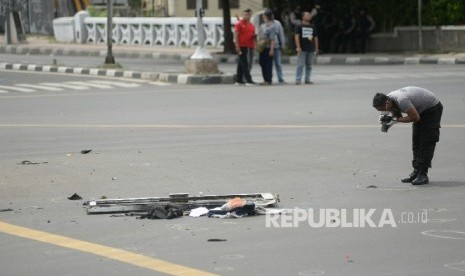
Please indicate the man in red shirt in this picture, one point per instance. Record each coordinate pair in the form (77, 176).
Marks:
(244, 39)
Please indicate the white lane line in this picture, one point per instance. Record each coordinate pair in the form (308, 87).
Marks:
(3, 91)
(344, 76)
(88, 83)
(41, 87)
(14, 88)
(116, 83)
(445, 234)
(159, 83)
(64, 85)
(367, 77)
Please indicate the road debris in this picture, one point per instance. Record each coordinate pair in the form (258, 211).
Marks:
(216, 240)
(181, 200)
(75, 197)
(181, 204)
(6, 210)
(86, 151)
(165, 212)
(372, 186)
(27, 162)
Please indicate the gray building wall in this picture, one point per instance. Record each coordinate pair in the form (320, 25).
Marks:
(37, 15)
(406, 39)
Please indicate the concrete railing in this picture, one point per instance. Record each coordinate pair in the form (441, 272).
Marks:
(182, 32)
(164, 31)
(440, 38)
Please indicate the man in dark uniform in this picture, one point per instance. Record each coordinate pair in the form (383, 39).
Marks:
(424, 109)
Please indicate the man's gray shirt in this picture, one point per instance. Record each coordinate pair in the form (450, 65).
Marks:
(412, 96)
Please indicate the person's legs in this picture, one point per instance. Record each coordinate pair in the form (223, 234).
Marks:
(262, 62)
(416, 153)
(269, 68)
(250, 58)
(239, 72)
(277, 64)
(300, 67)
(308, 66)
(428, 137)
(246, 56)
(266, 62)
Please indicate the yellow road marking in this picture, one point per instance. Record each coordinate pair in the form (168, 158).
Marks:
(161, 126)
(101, 250)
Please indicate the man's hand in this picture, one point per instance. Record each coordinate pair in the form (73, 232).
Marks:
(238, 50)
(386, 122)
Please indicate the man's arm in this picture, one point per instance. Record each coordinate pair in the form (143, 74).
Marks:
(317, 48)
(236, 42)
(294, 20)
(282, 38)
(297, 43)
(412, 116)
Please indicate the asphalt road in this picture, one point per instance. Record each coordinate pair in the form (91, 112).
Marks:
(317, 146)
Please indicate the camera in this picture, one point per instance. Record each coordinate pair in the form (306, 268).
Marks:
(386, 121)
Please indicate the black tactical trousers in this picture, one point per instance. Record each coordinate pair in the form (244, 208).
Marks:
(425, 135)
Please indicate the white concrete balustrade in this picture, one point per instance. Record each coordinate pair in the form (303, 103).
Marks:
(143, 31)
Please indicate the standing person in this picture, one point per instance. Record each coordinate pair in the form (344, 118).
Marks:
(266, 47)
(279, 45)
(329, 31)
(365, 27)
(306, 40)
(345, 35)
(244, 39)
(295, 19)
(424, 109)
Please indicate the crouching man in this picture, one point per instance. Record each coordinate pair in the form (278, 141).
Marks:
(424, 109)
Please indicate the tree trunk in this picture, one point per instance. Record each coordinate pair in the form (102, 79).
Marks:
(228, 35)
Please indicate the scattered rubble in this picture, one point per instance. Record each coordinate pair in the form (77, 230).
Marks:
(75, 197)
(216, 240)
(180, 204)
(27, 162)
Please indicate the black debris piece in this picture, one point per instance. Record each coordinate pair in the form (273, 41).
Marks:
(6, 210)
(27, 162)
(75, 197)
(163, 212)
(216, 240)
(372, 186)
(247, 210)
(85, 151)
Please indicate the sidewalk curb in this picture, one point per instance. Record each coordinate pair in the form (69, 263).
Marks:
(177, 78)
(232, 59)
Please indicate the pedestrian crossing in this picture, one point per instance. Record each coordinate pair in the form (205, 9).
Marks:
(66, 86)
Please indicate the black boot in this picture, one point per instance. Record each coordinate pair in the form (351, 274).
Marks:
(422, 178)
(411, 176)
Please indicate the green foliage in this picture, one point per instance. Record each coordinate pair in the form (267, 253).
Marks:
(96, 12)
(391, 13)
(444, 12)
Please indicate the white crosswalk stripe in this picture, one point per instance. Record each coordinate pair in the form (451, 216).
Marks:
(65, 85)
(117, 83)
(14, 88)
(41, 87)
(89, 84)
